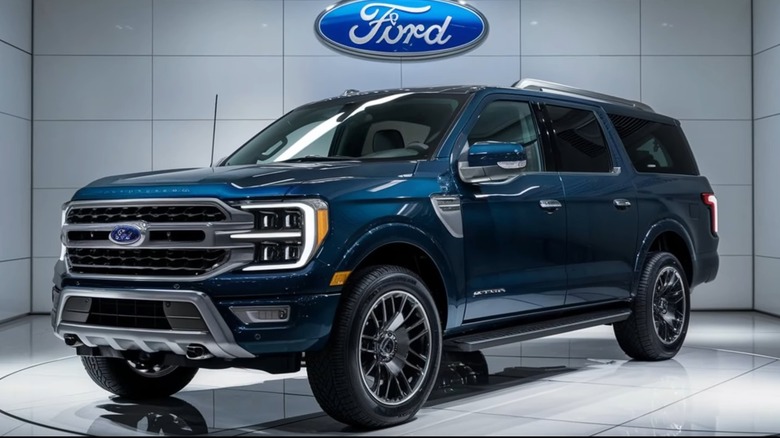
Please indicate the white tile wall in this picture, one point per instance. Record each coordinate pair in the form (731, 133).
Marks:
(767, 158)
(73, 154)
(766, 131)
(673, 27)
(735, 220)
(464, 70)
(187, 143)
(722, 149)
(617, 75)
(47, 218)
(299, 38)
(93, 27)
(698, 87)
(15, 288)
(182, 143)
(504, 34)
(15, 90)
(576, 27)
(226, 27)
(301, 86)
(767, 278)
(15, 163)
(92, 87)
(16, 22)
(15, 168)
(766, 100)
(263, 59)
(733, 289)
(766, 32)
(248, 87)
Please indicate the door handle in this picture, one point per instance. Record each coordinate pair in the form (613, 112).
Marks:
(550, 205)
(621, 204)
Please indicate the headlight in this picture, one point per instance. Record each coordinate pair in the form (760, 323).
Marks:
(286, 234)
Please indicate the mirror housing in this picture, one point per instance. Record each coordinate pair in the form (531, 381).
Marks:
(492, 161)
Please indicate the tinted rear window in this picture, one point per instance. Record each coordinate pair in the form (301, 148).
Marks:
(655, 147)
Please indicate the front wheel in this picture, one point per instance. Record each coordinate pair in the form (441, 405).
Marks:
(658, 324)
(381, 361)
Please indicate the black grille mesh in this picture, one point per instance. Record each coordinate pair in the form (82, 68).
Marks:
(156, 262)
(155, 214)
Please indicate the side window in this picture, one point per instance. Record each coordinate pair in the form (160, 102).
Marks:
(579, 141)
(510, 122)
(655, 147)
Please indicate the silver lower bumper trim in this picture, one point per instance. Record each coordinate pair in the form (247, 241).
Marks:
(218, 339)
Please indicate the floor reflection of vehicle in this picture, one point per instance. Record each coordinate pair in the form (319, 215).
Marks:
(170, 416)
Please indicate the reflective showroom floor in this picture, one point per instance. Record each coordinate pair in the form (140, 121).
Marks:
(725, 380)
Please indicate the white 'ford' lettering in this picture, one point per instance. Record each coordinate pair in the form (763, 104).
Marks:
(434, 34)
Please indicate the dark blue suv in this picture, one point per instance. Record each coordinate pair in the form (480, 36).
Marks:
(366, 234)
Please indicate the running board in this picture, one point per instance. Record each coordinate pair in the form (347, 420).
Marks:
(494, 338)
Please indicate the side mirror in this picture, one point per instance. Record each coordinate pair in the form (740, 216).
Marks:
(221, 161)
(492, 161)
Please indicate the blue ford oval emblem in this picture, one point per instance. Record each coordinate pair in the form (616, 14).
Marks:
(125, 234)
(406, 29)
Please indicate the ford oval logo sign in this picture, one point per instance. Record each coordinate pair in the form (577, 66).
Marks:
(126, 234)
(409, 29)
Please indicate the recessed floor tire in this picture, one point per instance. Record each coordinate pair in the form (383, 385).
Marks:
(661, 311)
(137, 381)
(384, 351)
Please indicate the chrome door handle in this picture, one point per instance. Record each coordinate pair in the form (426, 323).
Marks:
(621, 204)
(550, 205)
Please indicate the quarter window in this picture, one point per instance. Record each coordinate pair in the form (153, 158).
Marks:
(655, 147)
(579, 141)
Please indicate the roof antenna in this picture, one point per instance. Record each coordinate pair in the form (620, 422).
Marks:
(214, 129)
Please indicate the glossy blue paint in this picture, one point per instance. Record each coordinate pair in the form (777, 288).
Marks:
(401, 28)
(542, 260)
(484, 154)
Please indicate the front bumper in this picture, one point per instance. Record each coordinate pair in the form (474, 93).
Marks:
(217, 328)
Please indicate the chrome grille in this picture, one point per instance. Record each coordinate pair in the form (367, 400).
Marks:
(149, 213)
(151, 262)
(180, 239)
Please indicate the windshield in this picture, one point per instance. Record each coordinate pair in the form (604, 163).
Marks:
(399, 126)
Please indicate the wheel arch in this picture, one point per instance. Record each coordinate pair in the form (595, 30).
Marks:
(670, 236)
(392, 244)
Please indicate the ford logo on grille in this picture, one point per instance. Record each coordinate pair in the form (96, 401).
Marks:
(409, 29)
(126, 234)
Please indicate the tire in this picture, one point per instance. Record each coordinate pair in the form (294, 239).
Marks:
(126, 379)
(377, 370)
(658, 323)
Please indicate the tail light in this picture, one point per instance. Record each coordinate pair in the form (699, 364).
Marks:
(712, 202)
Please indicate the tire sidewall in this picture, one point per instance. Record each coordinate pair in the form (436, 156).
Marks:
(370, 294)
(666, 260)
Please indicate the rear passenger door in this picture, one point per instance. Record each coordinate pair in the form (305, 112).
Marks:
(600, 205)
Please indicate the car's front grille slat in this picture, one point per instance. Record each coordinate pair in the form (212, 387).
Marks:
(141, 261)
(147, 213)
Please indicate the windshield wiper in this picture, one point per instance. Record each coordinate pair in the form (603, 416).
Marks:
(315, 158)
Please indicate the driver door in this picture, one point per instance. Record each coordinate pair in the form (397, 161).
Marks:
(514, 236)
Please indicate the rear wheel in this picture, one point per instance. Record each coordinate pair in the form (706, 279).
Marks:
(137, 380)
(661, 310)
(383, 355)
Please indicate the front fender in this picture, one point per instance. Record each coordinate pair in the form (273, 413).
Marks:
(378, 236)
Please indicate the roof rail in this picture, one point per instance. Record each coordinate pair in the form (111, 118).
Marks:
(552, 87)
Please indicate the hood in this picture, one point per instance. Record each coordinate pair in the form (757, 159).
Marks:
(269, 180)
